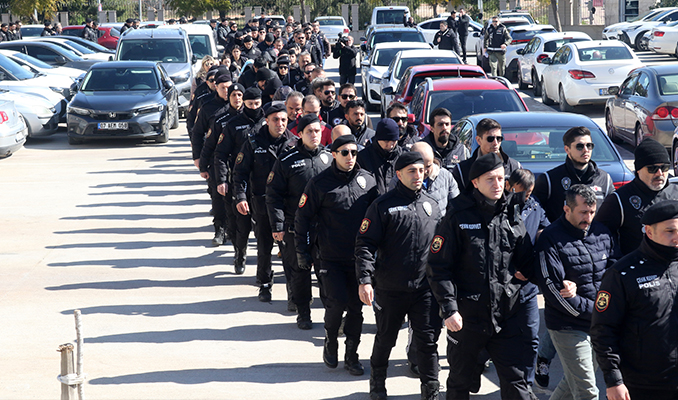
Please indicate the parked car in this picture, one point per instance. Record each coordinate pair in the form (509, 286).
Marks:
(632, 34)
(664, 39)
(75, 47)
(517, 14)
(49, 53)
(40, 115)
(333, 27)
(372, 69)
(95, 47)
(124, 99)
(431, 26)
(481, 55)
(389, 15)
(612, 32)
(535, 139)
(462, 97)
(540, 47)
(32, 30)
(390, 35)
(27, 61)
(201, 39)
(407, 58)
(581, 72)
(108, 38)
(13, 131)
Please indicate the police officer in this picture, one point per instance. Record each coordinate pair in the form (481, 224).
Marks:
(634, 321)
(252, 168)
(235, 132)
(127, 25)
(621, 212)
(448, 149)
(391, 251)
(578, 168)
(204, 93)
(496, 39)
(206, 111)
(477, 262)
(462, 31)
(337, 198)
(489, 139)
(284, 190)
(381, 154)
(446, 38)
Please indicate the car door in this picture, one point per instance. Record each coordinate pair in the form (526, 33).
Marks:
(637, 105)
(551, 72)
(389, 82)
(623, 106)
(525, 61)
(44, 54)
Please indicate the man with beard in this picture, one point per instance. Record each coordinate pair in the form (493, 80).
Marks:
(408, 134)
(304, 86)
(354, 114)
(578, 168)
(252, 168)
(337, 199)
(268, 83)
(446, 38)
(235, 133)
(325, 91)
(249, 77)
(622, 211)
(447, 148)
(284, 194)
(381, 154)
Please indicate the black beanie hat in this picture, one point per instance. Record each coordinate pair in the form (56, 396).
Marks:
(223, 77)
(661, 211)
(263, 74)
(387, 129)
(305, 121)
(251, 94)
(650, 152)
(407, 158)
(342, 140)
(488, 162)
(247, 39)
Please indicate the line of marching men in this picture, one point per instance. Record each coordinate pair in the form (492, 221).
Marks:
(420, 228)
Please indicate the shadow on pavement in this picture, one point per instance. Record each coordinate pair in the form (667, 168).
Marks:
(192, 202)
(138, 217)
(225, 278)
(142, 185)
(217, 257)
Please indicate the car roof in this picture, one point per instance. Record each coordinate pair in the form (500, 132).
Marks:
(328, 17)
(530, 27)
(562, 35)
(426, 53)
(190, 28)
(417, 69)
(661, 69)
(394, 28)
(534, 119)
(162, 33)
(467, 84)
(598, 43)
(124, 64)
(391, 45)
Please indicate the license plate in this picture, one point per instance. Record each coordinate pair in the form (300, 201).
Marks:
(603, 92)
(112, 125)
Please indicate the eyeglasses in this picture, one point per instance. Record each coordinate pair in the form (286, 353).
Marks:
(399, 119)
(348, 96)
(328, 92)
(491, 139)
(345, 153)
(580, 146)
(308, 72)
(283, 67)
(211, 80)
(654, 168)
(494, 21)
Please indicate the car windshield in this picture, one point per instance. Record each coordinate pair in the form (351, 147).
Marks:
(442, 75)
(163, 50)
(643, 16)
(390, 17)
(334, 22)
(409, 62)
(401, 36)
(515, 15)
(383, 57)
(79, 47)
(120, 79)
(604, 53)
(15, 69)
(468, 102)
(522, 35)
(553, 45)
(200, 44)
(513, 23)
(668, 84)
(32, 60)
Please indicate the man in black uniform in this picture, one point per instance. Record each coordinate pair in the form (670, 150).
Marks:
(408, 134)
(381, 155)
(391, 251)
(337, 198)
(578, 168)
(462, 31)
(252, 168)
(634, 318)
(621, 212)
(448, 149)
(446, 38)
(249, 77)
(346, 53)
(489, 138)
(284, 194)
(203, 93)
(127, 25)
(478, 262)
(235, 132)
(47, 30)
(355, 115)
(89, 33)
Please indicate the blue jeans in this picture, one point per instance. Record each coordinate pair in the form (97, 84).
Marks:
(546, 349)
(579, 366)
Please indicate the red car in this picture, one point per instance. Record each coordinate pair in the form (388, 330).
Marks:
(462, 97)
(415, 75)
(109, 35)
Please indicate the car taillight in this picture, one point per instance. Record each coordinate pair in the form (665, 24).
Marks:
(617, 185)
(580, 74)
(664, 112)
(516, 41)
(3, 117)
(541, 57)
(658, 33)
(345, 30)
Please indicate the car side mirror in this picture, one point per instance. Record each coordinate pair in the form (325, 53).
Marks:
(364, 63)
(110, 58)
(545, 60)
(167, 83)
(613, 90)
(74, 87)
(387, 75)
(363, 47)
(61, 60)
(387, 90)
(476, 34)
(194, 59)
(363, 39)
(410, 118)
(520, 51)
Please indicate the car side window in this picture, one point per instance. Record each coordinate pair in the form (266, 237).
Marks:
(558, 55)
(566, 56)
(417, 101)
(627, 87)
(403, 82)
(672, 17)
(42, 54)
(642, 85)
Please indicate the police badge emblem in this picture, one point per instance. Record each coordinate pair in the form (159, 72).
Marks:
(566, 182)
(324, 158)
(636, 202)
(221, 137)
(238, 159)
(364, 226)
(427, 208)
(302, 200)
(437, 244)
(209, 133)
(602, 301)
(270, 177)
(361, 182)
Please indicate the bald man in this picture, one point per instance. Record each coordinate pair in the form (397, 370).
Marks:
(340, 130)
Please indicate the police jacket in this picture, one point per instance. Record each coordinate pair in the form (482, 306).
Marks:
(565, 252)
(326, 111)
(363, 133)
(447, 40)
(288, 179)
(90, 34)
(634, 324)
(451, 155)
(248, 78)
(254, 163)
(303, 87)
(337, 200)
(296, 76)
(336, 116)
(463, 169)
(495, 37)
(271, 86)
(550, 186)
(621, 212)
(472, 260)
(462, 25)
(346, 55)
(380, 163)
(393, 240)
(4, 36)
(407, 139)
(222, 35)
(201, 95)
(212, 136)
(234, 133)
(440, 185)
(534, 218)
(251, 54)
(47, 32)
(202, 123)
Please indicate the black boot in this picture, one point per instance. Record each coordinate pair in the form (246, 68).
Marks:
(304, 317)
(330, 351)
(291, 307)
(265, 293)
(351, 360)
(239, 261)
(219, 234)
(378, 383)
(430, 390)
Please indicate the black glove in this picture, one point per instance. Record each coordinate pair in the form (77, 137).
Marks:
(305, 261)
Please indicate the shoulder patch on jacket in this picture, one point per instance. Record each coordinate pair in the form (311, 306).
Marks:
(602, 301)
(238, 159)
(302, 200)
(364, 226)
(437, 244)
(270, 177)
(221, 137)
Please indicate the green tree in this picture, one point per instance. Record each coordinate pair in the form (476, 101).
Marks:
(197, 7)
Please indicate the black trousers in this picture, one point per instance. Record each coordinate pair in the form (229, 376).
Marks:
(347, 78)
(340, 293)
(390, 307)
(652, 394)
(507, 348)
(218, 207)
(462, 44)
(238, 226)
(299, 279)
(262, 231)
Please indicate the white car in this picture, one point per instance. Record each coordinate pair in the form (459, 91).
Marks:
(612, 32)
(431, 26)
(40, 115)
(664, 39)
(407, 58)
(27, 62)
(508, 23)
(201, 39)
(520, 37)
(16, 78)
(13, 131)
(632, 34)
(373, 68)
(581, 72)
(332, 27)
(74, 47)
(541, 46)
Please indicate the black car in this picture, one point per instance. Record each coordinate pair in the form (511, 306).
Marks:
(95, 47)
(49, 53)
(123, 99)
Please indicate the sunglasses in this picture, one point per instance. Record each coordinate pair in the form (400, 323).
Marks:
(211, 80)
(283, 67)
(348, 96)
(399, 119)
(580, 146)
(654, 168)
(345, 153)
(491, 139)
(328, 92)
(307, 72)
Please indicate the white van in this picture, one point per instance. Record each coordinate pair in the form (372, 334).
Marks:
(390, 15)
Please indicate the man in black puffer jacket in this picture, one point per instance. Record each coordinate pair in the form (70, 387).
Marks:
(381, 154)
(573, 254)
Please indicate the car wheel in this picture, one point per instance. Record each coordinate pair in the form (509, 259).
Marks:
(536, 87)
(638, 134)
(164, 136)
(675, 158)
(175, 120)
(638, 39)
(611, 131)
(521, 85)
(544, 96)
(564, 107)
(74, 141)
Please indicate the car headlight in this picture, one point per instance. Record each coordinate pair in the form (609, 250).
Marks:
(150, 109)
(78, 110)
(44, 112)
(181, 78)
(57, 89)
(375, 80)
